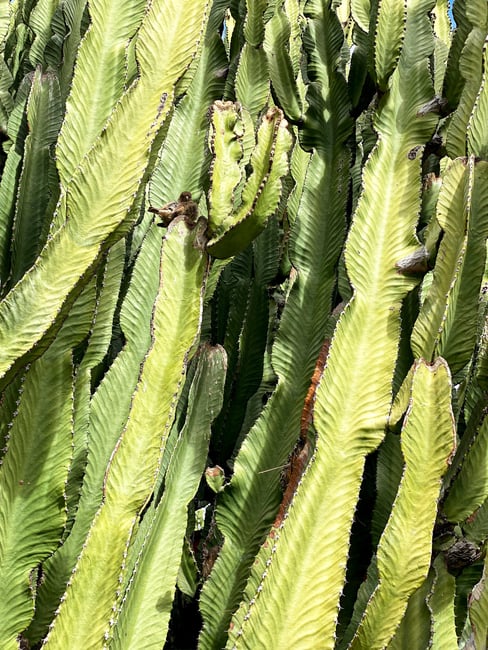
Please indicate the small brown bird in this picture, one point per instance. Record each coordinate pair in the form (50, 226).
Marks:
(415, 263)
(183, 206)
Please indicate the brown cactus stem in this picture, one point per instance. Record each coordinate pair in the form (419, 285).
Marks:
(307, 413)
(302, 452)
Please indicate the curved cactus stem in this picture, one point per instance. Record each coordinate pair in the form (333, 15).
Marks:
(144, 615)
(441, 605)
(469, 490)
(405, 547)
(85, 620)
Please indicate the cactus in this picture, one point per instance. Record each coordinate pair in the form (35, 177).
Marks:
(243, 324)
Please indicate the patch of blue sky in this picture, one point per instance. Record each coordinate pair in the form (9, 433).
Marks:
(449, 11)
